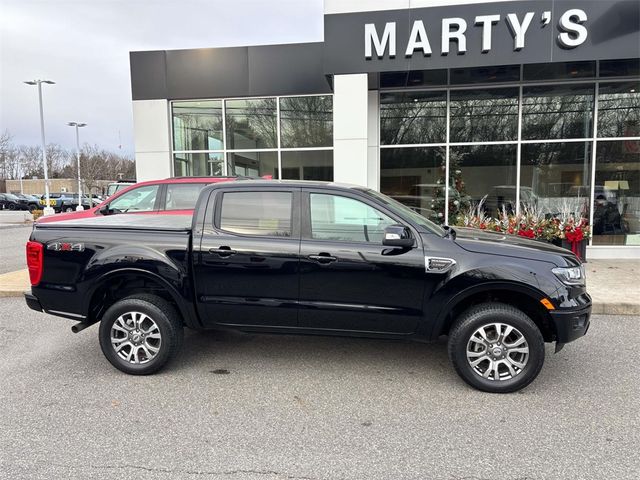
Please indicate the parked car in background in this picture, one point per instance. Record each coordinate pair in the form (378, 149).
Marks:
(171, 196)
(9, 201)
(31, 201)
(65, 202)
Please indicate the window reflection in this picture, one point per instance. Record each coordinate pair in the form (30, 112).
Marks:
(560, 111)
(616, 205)
(484, 115)
(554, 177)
(619, 109)
(197, 164)
(197, 125)
(413, 117)
(251, 123)
(553, 71)
(308, 165)
(483, 170)
(415, 177)
(253, 164)
(306, 121)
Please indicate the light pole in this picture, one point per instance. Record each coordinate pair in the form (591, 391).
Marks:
(78, 125)
(47, 209)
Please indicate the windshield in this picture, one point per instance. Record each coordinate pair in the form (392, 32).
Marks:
(11, 196)
(405, 211)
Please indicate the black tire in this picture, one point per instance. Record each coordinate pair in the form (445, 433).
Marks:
(12, 206)
(165, 317)
(485, 314)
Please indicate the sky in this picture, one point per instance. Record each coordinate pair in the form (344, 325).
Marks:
(84, 45)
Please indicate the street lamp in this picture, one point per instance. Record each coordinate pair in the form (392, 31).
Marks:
(78, 125)
(47, 209)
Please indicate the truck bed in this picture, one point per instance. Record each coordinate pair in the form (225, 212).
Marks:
(131, 221)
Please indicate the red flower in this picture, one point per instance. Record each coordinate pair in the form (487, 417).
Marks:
(575, 236)
(482, 226)
(497, 228)
(510, 230)
(527, 233)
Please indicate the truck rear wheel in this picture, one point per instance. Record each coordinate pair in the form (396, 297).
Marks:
(140, 334)
(496, 348)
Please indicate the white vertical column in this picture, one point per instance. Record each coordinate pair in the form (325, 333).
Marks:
(373, 141)
(350, 111)
(152, 139)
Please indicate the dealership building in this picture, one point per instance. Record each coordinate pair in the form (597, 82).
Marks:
(438, 104)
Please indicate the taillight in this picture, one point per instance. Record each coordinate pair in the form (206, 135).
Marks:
(34, 261)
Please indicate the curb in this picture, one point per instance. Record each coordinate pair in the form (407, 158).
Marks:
(599, 308)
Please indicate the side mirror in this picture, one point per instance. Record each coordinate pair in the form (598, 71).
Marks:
(104, 210)
(397, 236)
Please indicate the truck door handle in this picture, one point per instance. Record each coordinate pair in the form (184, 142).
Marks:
(322, 258)
(223, 252)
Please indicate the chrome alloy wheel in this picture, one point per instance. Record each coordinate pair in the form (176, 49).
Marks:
(135, 337)
(497, 351)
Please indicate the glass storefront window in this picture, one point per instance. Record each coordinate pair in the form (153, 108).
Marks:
(559, 71)
(619, 109)
(205, 164)
(413, 78)
(483, 171)
(616, 204)
(416, 178)
(253, 164)
(413, 117)
(197, 125)
(620, 68)
(306, 121)
(554, 177)
(308, 165)
(490, 74)
(484, 115)
(251, 123)
(557, 111)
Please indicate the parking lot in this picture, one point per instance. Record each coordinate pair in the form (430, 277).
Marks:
(12, 253)
(280, 407)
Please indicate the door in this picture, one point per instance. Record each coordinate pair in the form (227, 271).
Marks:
(246, 269)
(348, 279)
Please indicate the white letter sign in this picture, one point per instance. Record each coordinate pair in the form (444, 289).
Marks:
(371, 37)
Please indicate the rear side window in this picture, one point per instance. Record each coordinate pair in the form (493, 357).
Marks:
(182, 196)
(266, 214)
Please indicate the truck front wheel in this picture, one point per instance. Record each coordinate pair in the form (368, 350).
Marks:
(496, 348)
(140, 334)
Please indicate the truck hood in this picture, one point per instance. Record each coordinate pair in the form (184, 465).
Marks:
(479, 241)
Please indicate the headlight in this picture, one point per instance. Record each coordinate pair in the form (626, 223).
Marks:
(570, 275)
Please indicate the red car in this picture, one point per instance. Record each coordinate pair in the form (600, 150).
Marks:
(171, 196)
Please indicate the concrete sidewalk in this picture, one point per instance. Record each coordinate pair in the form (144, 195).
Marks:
(613, 284)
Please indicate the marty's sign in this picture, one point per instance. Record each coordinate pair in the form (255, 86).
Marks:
(481, 34)
(571, 26)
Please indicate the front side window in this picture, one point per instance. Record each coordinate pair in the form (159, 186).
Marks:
(266, 214)
(140, 199)
(182, 196)
(338, 218)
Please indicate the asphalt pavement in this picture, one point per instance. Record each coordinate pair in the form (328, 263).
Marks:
(12, 245)
(266, 407)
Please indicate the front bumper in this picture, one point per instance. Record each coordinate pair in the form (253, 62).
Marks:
(32, 302)
(571, 324)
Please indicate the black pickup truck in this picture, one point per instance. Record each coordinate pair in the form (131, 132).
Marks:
(314, 258)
